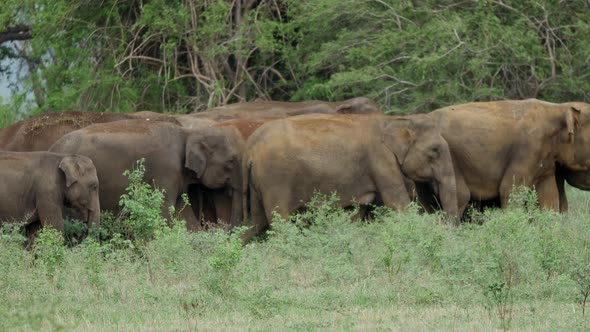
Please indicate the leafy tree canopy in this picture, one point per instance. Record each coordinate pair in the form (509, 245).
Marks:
(187, 55)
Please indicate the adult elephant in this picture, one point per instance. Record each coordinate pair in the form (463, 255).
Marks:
(38, 133)
(286, 161)
(265, 109)
(175, 158)
(496, 145)
(37, 186)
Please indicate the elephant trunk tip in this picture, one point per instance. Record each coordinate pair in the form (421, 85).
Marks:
(93, 219)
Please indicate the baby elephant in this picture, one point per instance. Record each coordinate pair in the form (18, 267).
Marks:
(361, 157)
(36, 186)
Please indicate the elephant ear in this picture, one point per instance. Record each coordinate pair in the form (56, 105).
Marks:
(71, 170)
(196, 157)
(398, 141)
(572, 120)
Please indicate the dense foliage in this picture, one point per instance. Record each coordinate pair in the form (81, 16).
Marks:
(411, 56)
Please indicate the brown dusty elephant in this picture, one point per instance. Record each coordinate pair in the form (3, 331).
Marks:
(175, 158)
(263, 109)
(496, 145)
(38, 133)
(286, 161)
(37, 186)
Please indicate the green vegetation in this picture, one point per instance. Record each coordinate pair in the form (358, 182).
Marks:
(179, 56)
(522, 268)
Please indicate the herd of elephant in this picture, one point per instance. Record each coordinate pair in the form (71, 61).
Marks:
(239, 163)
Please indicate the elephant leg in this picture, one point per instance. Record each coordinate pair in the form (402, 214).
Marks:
(259, 222)
(172, 198)
(195, 197)
(548, 193)
(172, 188)
(31, 231)
(187, 214)
(506, 186)
(560, 180)
(278, 203)
(50, 214)
(394, 194)
(223, 207)
(169, 200)
(463, 193)
(426, 197)
(208, 214)
(362, 204)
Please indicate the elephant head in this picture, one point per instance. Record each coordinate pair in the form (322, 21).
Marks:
(423, 155)
(359, 105)
(81, 187)
(574, 154)
(213, 154)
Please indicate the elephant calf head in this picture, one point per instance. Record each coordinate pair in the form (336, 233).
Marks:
(213, 154)
(81, 187)
(423, 155)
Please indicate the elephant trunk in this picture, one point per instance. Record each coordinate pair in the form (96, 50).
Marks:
(94, 214)
(236, 208)
(445, 177)
(236, 194)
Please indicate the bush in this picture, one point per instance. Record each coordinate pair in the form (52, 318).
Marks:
(50, 250)
(141, 207)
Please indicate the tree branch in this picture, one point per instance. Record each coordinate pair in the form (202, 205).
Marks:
(17, 32)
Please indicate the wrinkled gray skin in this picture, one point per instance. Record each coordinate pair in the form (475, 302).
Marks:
(286, 161)
(175, 158)
(37, 186)
(264, 109)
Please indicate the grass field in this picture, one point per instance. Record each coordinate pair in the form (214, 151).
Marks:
(519, 269)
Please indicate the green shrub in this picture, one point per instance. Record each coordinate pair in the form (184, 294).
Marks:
(50, 250)
(74, 231)
(224, 259)
(141, 207)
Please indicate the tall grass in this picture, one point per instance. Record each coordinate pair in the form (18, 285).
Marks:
(521, 269)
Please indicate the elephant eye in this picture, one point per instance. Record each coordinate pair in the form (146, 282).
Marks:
(94, 186)
(229, 165)
(434, 152)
